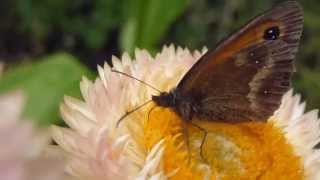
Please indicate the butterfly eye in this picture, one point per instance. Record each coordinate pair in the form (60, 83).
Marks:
(271, 33)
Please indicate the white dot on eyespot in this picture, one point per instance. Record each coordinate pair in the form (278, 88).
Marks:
(251, 54)
(265, 92)
(257, 62)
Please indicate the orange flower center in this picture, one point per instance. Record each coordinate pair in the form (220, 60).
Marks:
(250, 150)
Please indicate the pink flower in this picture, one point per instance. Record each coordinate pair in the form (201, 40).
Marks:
(22, 146)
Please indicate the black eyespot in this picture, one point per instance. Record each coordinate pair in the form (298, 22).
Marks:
(272, 33)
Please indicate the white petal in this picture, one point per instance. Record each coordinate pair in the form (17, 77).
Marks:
(84, 87)
(76, 120)
(102, 76)
(79, 106)
(117, 63)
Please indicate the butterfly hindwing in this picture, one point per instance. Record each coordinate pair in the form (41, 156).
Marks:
(245, 77)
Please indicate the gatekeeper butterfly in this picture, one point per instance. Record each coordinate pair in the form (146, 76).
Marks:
(245, 77)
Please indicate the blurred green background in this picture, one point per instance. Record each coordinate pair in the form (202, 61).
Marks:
(47, 45)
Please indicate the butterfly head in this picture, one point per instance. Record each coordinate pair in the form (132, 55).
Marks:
(165, 99)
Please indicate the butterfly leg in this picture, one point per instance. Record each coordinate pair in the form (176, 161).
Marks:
(202, 143)
(186, 138)
(203, 140)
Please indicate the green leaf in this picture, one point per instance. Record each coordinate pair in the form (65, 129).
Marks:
(44, 84)
(147, 21)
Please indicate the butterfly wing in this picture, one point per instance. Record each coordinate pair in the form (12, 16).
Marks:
(245, 77)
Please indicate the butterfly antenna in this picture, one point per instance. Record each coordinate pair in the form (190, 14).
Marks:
(131, 111)
(128, 75)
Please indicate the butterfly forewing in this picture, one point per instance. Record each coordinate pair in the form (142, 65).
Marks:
(245, 77)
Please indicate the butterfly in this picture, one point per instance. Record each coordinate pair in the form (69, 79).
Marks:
(245, 76)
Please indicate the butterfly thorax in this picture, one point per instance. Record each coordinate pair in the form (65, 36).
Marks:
(184, 106)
